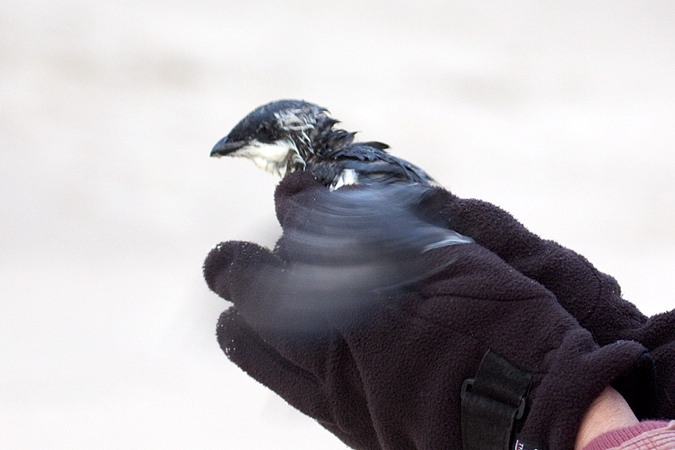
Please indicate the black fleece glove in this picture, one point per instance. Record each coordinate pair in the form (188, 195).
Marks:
(590, 296)
(388, 374)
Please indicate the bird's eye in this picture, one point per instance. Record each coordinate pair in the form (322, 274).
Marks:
(265, 133)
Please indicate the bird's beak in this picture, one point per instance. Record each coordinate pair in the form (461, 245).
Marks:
(225, 147)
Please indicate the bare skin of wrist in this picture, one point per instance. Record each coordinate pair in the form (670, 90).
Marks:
(609, 411)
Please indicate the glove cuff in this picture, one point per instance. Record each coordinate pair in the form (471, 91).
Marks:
(574, 379)
(494, 408)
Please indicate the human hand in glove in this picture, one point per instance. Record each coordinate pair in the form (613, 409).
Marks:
(590, 296)
(475, 354)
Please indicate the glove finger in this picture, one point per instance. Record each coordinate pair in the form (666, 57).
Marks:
(263, 291)
(665, 399)
(331, 395)
(233, 268)
(489, 225)
(592, 297)
(246, 348)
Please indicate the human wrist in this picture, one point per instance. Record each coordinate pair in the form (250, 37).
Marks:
(609, 411)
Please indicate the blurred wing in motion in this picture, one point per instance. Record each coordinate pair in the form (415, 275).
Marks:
(350, 246)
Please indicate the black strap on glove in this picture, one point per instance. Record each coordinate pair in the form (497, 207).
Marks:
(493, 404)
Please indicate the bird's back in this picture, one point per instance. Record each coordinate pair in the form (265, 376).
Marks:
(364, 163)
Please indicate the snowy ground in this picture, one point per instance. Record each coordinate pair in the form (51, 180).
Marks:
(562, 113)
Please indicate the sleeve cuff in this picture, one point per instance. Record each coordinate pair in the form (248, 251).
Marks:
(648, 435)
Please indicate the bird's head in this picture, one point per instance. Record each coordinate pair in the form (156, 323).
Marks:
(278, 136)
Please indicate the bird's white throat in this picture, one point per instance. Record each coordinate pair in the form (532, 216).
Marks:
(272, 157)
(278, 156)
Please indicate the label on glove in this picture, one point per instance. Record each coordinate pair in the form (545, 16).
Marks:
(521, 444)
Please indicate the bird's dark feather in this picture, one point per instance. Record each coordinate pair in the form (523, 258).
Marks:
(375, 165)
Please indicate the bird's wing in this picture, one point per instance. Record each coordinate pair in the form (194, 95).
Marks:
(349, 245)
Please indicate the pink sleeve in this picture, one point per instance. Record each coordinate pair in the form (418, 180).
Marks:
(649, 435)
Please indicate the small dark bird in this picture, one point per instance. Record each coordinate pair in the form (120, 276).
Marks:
(345, 244)
(289, 135)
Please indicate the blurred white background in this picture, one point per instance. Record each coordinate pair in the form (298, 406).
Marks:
(560, 112)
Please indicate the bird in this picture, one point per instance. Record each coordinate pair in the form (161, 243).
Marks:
(285, 136)
(344, 244)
